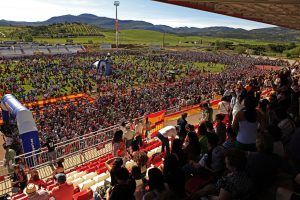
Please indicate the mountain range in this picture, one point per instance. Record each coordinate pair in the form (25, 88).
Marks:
(274, 33)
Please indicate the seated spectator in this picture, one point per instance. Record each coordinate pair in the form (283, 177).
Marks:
(178, 152)
(286, 124)
(35, 179)
(124, 187)
(112, 169)
(34, 193)
(19, 177)
(236, 184)
(278, 148)
(262, 166)
(156, 184)
(59, 168)
(211, 163)
(286, 194)
(229, 144)
(174, 176)
(220, 128)
(63, 191)
(193, 147)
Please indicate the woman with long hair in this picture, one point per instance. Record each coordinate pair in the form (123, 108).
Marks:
(247, 123)
(156, 183)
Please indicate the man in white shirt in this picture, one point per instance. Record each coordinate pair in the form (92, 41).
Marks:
(164, 134)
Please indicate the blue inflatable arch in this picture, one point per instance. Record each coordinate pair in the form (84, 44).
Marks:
(28, 132)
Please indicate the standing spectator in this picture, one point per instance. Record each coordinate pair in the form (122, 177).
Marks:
(128, 137)
(51, 149)
(224, 106)
(148, 129)
(181, 123)
(207, 113)
(193, 148)
(164, 134)
(246, 123)
(286, 124)
(178, 152)
(34, 193)
(220, 128)
(138, 132)
(118, 144)
(157, 185)
(10, 155)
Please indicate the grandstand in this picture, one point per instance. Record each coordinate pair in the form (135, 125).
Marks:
(26, 50)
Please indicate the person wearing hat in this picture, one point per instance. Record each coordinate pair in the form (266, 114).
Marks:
(33, 193)
(63, 191)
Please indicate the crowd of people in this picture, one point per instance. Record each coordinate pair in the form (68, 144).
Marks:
(237, 155)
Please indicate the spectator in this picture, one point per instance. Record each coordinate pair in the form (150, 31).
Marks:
(224, 106)
(174, 176)
(229, 144)
(138, 132)
(124, 187)
(118, 162)
(178, 152)
(181, 123)
(246, 123)
(148, 129)
(220, 128)
(286, 125)
(63, 191)
(278, 148)
(156, 185)
(236, 184)
(263, 165)
(286, 194)
(193, 147)
(202, 132)
(51, 149)
(118, 144)
(9, 158)
(207, 113)
(34, 193)
(164, 134)
(59, 168)
(19, 179)
(141, 159)
(35, 179)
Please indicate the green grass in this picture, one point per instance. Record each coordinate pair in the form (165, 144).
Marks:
(214, 68)
(138, 37)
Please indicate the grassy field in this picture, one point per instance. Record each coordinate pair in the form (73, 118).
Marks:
(138, 37)
(145, 37)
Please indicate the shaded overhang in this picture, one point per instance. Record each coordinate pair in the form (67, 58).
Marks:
(285, 13)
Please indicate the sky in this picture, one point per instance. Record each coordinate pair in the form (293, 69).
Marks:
(144, 10)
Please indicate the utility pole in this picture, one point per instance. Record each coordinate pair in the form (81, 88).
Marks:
(117, 3)
(163, 45)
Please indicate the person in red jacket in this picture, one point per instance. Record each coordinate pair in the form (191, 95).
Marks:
(63, 191)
